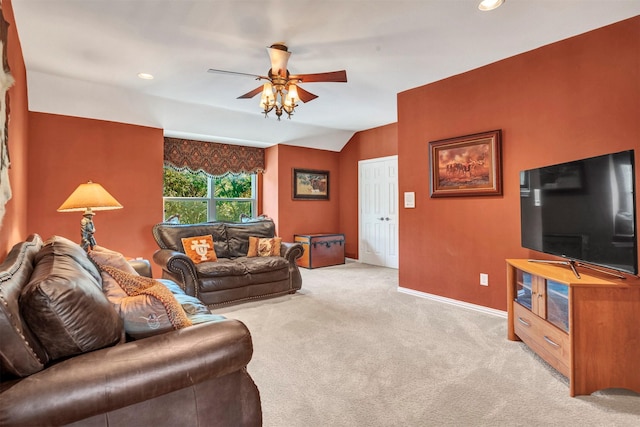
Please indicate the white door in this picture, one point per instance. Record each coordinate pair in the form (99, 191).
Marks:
(378, 209)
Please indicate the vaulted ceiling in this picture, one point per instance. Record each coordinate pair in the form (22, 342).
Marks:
(83, 57)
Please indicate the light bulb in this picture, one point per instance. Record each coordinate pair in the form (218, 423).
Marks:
(486, 5)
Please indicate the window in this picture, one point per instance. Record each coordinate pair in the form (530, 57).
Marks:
(195, 197)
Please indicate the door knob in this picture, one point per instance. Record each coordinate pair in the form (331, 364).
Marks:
(381, 219)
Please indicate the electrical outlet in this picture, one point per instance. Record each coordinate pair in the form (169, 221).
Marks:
(484, 279)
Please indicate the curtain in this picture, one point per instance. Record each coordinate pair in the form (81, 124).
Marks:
(212, 158)
(6, 81)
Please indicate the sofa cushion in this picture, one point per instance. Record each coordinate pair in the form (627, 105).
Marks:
(256, 265)
(103, 256)
(199, 248)
(222, 268)
(146, 305)
(238, 236)
(169, 236)
(144, 315)
(63, 303)
(20, 351)
(264, 246)
(58, 245)
(137, 318)
(257, 270)
(196, 311)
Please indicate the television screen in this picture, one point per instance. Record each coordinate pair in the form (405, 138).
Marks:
(583, 210)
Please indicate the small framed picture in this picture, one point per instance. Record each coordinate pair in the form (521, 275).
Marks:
(310, 184)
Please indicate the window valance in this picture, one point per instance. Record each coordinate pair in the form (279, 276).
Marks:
(212, 158)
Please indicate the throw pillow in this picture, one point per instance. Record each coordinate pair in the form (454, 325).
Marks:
(199, 248)
(264, 246)
(103, 256)
(148, 307)
(64, 306)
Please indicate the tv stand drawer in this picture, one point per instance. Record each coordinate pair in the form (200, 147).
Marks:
(549, 342)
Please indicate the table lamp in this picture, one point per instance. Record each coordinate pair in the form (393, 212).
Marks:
(89, 197)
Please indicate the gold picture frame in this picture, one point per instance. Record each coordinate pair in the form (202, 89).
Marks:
(467, 165)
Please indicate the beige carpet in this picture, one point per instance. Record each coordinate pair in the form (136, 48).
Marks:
(350, 350)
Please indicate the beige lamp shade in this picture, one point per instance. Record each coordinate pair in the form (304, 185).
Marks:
(89, 196)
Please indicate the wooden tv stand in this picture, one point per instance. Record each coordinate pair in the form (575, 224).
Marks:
(587, 328)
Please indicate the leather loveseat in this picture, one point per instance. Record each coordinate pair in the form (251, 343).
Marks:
(65, 359)
(234, 277)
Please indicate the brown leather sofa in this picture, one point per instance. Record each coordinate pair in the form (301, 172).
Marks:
(234, 277)
(89, 374)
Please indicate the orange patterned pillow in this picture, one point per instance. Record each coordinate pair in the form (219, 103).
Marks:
(199, 248)
(264, 246)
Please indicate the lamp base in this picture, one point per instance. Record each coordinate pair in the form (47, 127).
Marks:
(86, 231)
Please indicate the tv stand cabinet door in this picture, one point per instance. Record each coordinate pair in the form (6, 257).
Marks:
(606, 338)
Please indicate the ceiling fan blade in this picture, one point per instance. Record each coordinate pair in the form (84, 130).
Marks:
(257, 77)
(251, 94)
(331, 76)
(305, 96)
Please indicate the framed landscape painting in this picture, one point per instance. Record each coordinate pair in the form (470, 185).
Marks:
(467, 165)
(310, 184)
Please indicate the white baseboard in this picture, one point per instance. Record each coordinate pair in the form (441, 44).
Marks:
(455, 302)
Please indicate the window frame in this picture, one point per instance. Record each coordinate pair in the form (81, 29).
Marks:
(211, 200)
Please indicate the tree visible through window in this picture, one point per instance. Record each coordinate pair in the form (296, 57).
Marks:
(196, 197)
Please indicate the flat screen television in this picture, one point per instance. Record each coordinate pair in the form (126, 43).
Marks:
(584, 211)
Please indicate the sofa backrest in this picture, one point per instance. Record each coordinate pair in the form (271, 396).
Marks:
(168, 236)
(230, 240)
(238, 235)
(51, 306)
(20, 352)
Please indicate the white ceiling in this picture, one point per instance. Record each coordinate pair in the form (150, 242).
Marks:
(83, 57)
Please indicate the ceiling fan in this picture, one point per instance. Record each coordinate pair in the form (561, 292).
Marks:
(281, 90)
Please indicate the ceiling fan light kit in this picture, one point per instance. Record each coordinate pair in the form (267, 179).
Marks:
(281, 92)
(273, 96)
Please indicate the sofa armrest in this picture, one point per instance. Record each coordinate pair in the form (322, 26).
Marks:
(115, 377)
(141, 266)
(179, 268)
(291, 251)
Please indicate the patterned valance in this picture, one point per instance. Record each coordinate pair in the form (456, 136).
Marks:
(212, 158)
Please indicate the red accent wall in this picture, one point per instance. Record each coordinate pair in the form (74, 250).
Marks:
(300, 216)
(14, 225)
(373, 143)
(573, 99)
(126, 160)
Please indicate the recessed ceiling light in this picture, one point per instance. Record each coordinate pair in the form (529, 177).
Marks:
(145, 76)
(486, 5)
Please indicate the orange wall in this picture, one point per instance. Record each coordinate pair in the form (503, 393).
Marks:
(270, 191)
(573, 99)
(14, 225)
(377, 142)
(126, 160)
(300, 216)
